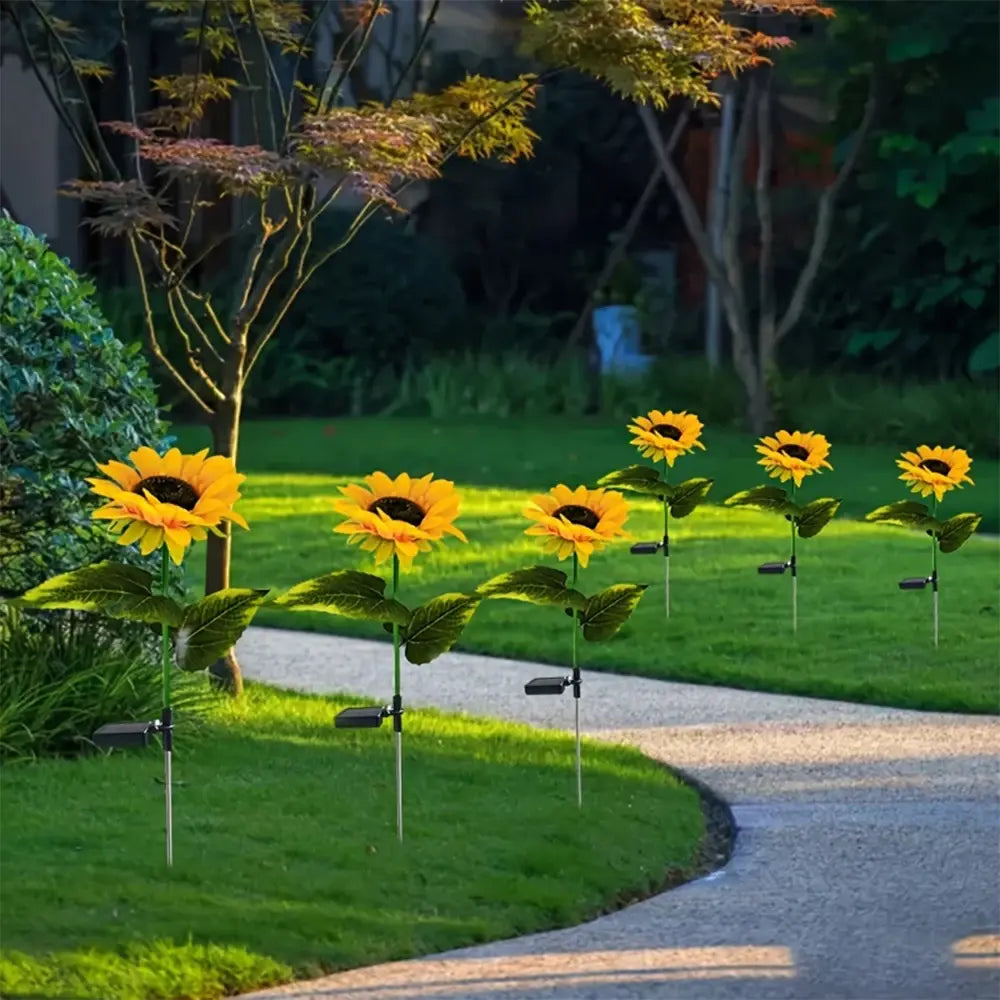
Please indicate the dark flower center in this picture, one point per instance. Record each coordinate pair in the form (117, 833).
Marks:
(794, 451)
(667, 431)
(167, 489)
(400, 509)
(576, 514)
(936, 465)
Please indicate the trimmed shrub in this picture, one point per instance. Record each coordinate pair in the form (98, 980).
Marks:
(71, 395)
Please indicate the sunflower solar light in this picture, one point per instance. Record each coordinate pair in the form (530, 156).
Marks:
(393, 519)
(571, 523)
(791, 455)
(931, 472)
(160, 502)
(663, 436)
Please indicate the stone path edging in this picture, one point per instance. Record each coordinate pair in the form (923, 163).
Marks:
(867, 863)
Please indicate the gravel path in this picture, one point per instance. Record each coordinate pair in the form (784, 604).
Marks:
(867, 863)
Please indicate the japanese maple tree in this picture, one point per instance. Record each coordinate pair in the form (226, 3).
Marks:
(313, 147)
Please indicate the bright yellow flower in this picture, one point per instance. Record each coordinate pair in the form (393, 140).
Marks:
(666, 435)
(170, 500)
(794, 455)
(577, 521)
(400, 516)
(935, 470)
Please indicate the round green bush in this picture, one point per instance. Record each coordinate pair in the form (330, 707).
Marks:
(71, 395)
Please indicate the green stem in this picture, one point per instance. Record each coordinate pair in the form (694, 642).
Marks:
(395, 630)
(165, 629)
(934, 546)
(576, 614)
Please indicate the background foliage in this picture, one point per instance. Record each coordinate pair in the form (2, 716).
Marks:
(911, 286)
(71, 395)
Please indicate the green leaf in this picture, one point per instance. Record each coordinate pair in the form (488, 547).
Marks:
(212, 625)
(986, 356)
(688, 495)
(347, 593)
(108, 588)
(770, 498)
(436, 625)
(153, 610)
(957, 530)
(908, 513)
(816, 515)
(536, 585)
(609, 609)
(637, 479)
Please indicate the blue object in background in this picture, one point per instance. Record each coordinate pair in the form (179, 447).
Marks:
(617, 334)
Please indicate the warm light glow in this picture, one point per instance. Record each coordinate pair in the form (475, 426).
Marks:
(457, 977)
(978, 951)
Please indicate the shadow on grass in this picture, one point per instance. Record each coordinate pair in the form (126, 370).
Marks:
(285, 849)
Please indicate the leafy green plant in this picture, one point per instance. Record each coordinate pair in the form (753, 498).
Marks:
(71, 394)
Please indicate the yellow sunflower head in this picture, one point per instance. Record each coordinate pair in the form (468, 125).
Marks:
(794, 454)
(666, 435)
(577, 521)
(170, 499)
(399, 517)
(935, 470)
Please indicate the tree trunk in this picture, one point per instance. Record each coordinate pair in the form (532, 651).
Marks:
(226, 673)
(760, 411)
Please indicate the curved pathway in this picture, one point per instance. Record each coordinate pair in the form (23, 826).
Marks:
(867, 863)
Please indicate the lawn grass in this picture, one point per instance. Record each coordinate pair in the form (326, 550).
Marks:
(859, 639)
(286, 863)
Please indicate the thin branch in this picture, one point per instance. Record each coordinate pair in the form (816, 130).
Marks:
(627, 234)
(417, 51)
(252, 88)
(206, 304)
(130, 91)
(180, 291)
(360, 219)
(824, 215)
(81, 88)
(190, 354)
(71, 126)
(272, 73)
(303, 45)
(689, 213)
(329, 91)
(765, 216)
(200, 50)
(154, 344)
(734, 208)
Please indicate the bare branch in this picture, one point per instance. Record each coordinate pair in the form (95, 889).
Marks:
(328, 92)
(693, 224)
(81, 89)
(734, 209)
(272, 73)
(317, 16)
(71, 126)
(765, 216)
(190, 353)
(130, 89)
(824, 215)
(626, 235)
(154, 343)
(417, 51)
(245, 67)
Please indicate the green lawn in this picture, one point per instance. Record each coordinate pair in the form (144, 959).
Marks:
(286, 863)
(860, 638)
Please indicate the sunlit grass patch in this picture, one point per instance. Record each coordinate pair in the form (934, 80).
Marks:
(286, 862)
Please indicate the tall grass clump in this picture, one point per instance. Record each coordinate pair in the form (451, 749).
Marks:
(65, 674)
